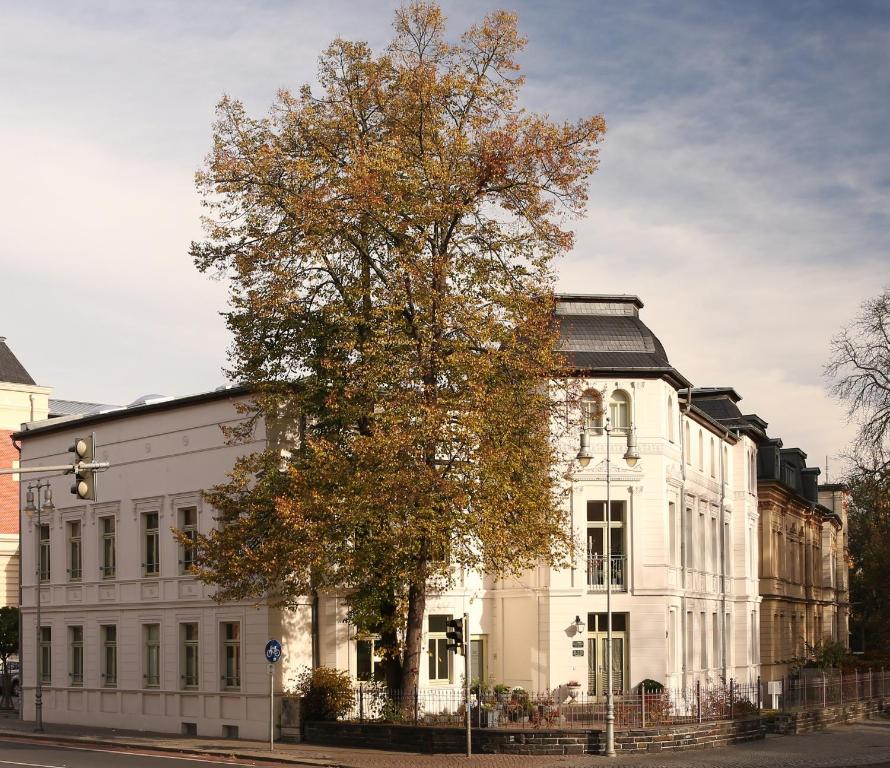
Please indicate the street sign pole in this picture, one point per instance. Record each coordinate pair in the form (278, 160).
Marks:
(272, 654)
(271, 709)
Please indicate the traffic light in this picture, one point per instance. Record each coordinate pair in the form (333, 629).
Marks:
(84, 485)
(455, 635)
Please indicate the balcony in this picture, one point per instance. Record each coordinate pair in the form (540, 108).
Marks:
(596, 573)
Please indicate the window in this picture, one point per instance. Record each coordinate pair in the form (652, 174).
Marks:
(727, 638)
(672, 533)
(670, 425)
(368, 663)
(619, 411)
(715, 552)
(74, 551)
(106, 544)
(152, 659)
(190, 653)
(597, 530)
(701, 535)
(46, 655)
(592, 411)
(701, 452)
(672, 640)
(152, 543)
(231, 655)
(689, 635)
(108, 634)
(478, 659)
(716, 659)
(688, 549)
(687, 444)
(703, 649)
(439, 655)
(43, 552)
(75, 659)
(188, 523)
(713, 458)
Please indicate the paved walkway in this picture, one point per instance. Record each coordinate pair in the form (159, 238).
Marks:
(859, 744)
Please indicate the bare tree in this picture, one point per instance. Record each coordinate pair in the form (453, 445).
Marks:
(860, 371)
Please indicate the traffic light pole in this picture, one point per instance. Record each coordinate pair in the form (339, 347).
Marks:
(468, 655)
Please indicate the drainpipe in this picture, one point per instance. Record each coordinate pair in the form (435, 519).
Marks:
(683, 559)
(722, 627)
(21, 655)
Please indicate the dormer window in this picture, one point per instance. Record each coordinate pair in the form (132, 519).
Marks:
(592, 411)
(619, 411)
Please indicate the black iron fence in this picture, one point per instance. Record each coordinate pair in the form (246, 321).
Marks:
(567, 707)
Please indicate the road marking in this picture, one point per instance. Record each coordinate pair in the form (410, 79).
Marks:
(221, 759)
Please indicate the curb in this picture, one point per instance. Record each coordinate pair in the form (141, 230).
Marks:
(92, 741)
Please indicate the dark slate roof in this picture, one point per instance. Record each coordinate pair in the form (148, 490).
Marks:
(604, 332)
(11, 370)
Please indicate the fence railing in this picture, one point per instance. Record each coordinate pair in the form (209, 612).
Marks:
(596, 572)
(817, 689)
(564, 708)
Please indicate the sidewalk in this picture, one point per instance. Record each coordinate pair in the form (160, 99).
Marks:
(293, 754)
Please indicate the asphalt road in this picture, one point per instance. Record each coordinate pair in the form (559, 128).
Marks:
(41, 755)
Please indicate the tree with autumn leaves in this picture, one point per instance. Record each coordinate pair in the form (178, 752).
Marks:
(389, 241)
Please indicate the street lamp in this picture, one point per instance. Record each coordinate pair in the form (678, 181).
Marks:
(44, 503)
(631, 456)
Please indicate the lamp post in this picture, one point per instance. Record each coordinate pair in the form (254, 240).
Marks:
(44, 503)
(631, 456)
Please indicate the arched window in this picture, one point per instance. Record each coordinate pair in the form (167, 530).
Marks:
(688, 444)
(713, 460)
(592, 410)
(670, 418)
(619, 410)
(701, 452)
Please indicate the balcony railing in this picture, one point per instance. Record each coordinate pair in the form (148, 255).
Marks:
(596, 572)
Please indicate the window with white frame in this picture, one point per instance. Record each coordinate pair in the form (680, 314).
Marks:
(672, 533)
(688, 658)
(151, 659)
(75, 551)
(368, 659)
(701, 451)
(672, 640)
(107, 547)
(45, 665)
(188, 633)
(43, 552)
(619, 411)
(108, 636)
(75, 655)
(716, 659)
(598, 528)
(670, 415)
(151, 544)
(687, 443)
(703, 644)
(437, 649)
(230, 638)
(188, 524)
(592, 411)
(713, 458)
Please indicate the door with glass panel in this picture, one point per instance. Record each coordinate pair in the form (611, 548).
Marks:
(597, 653)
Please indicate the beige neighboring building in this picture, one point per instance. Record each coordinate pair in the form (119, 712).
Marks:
(21, 400)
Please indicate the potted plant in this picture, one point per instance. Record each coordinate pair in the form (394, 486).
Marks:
(502, 693)
(574, 689)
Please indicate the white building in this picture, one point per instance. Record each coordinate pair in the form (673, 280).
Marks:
(127, 634)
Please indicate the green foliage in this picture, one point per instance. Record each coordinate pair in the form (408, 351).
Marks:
(327, 693)
(9, 645)
(826, 655)
(868, 516)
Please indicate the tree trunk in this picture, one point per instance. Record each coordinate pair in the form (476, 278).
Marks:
(413, 644)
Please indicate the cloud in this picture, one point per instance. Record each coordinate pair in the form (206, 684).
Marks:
(742, 191)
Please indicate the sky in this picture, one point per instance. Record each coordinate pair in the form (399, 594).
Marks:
(743, 191)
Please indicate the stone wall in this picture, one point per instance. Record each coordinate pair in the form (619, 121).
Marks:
(817, 719)
(531, 742)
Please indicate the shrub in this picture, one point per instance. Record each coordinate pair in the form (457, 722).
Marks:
(327, 693)
(651, 686)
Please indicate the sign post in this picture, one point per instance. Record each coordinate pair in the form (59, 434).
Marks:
(273, 655)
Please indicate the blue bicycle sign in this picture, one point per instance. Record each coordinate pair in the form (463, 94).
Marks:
(273, 651)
